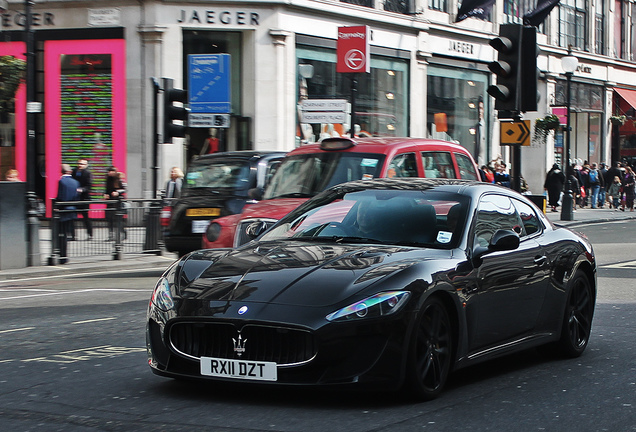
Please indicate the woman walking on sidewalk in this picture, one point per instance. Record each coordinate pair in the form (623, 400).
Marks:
(628, 188)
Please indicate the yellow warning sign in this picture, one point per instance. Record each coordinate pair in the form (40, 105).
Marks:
(515, 132)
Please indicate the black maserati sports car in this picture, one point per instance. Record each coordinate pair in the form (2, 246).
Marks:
(386, 282)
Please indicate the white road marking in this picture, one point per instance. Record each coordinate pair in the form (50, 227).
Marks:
(16, 330)
(65, 292)
(94, 320)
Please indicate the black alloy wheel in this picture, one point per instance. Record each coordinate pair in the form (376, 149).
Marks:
(431, 351)
(577, 321)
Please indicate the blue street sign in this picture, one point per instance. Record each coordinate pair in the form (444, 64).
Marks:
(209, 83)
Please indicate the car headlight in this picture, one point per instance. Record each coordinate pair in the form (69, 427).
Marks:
(161, 296)
(378, 305)
(213, 232)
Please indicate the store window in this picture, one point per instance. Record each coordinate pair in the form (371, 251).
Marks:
(456, 103)
(586, 107)
(381, 107)
(217, 42)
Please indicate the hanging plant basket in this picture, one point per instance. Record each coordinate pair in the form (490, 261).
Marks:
(543, 127)
(617, 120)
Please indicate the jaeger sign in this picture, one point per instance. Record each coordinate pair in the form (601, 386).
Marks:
(353, 50)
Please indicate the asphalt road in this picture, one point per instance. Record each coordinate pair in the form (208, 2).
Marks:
(72, 358)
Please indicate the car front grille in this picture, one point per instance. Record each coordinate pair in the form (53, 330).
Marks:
(284, 346)
(241, 237)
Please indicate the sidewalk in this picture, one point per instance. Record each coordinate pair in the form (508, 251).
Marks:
(589, 215)
(89, 264)
(151, 261)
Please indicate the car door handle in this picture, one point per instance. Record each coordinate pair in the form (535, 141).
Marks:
(541, 261)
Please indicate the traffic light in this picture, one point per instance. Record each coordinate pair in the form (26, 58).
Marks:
(172, 112)
(507, 67)
(529, 72)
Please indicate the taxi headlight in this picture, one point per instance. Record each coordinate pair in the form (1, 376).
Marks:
(213, 232)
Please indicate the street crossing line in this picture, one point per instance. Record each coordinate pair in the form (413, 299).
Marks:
(623, 265)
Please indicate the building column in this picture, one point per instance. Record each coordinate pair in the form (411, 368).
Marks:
(284, 81)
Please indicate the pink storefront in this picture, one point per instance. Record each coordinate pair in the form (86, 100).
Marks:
(81, 85)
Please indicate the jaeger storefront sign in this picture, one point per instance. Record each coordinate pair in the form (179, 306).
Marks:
(459, 48)
(223, 17)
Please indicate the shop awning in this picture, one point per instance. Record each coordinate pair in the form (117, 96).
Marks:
(628, 95)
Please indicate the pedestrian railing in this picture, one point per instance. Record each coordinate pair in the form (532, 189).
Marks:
(108, 227)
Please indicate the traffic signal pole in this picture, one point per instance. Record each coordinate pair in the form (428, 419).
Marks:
(517, 76)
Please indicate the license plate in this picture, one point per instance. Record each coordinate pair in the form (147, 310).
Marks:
(203, 212)
(199, 226)
(238, 369)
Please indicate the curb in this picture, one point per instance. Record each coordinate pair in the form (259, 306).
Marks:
(128, 263)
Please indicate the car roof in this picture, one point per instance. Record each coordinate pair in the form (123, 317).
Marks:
(465, 187)
(241, 154)
(384, 145)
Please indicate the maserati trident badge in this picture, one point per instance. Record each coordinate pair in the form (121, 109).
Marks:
(239, 345)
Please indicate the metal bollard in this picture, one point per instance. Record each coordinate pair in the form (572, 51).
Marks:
(33, 231)
(566, 212)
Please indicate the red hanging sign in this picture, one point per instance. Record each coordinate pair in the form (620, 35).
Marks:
(353, 50)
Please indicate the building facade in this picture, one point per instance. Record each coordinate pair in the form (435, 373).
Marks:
(98, 62)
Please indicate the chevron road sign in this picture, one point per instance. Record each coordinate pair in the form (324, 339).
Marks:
(515, 133)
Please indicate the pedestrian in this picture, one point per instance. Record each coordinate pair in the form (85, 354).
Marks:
(173, 186)
(12, 175)
(595, 179)
(85, 178)
(615, 193)
(115, 191)
(488, 175)
(628, 188)
(574, 186)
(553, 184)
(501, 176)
(585, 184)
(67, 190)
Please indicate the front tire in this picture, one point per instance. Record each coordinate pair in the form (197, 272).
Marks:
(577, 320)
(431, 351)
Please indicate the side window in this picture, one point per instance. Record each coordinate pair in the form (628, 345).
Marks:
(272, 166)
(438, 165)
(466, 167)
(403, 165)
(529, 218)
(495, 212)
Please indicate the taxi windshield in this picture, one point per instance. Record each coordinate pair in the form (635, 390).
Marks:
(305, 175)
(218, 174)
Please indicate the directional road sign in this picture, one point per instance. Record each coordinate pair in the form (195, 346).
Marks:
(209, 83)
(515, 133)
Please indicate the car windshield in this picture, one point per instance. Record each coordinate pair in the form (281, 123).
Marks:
(218, 174)
(395, 217)
(305, 175)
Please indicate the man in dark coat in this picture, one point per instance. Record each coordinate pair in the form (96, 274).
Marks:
(554, 181)
(85, 179)
(67, 190)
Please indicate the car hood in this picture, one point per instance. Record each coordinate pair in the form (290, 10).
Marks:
(296, 273)
(272, 208)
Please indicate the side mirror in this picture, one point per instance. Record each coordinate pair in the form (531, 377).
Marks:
(255, 229)
(255, 194)
(501, 240)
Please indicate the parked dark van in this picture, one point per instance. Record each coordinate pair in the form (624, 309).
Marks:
(215, 185)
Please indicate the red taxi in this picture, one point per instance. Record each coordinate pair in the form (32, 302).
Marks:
(310, 169)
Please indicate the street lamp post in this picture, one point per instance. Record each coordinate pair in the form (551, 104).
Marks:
(569, 64)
